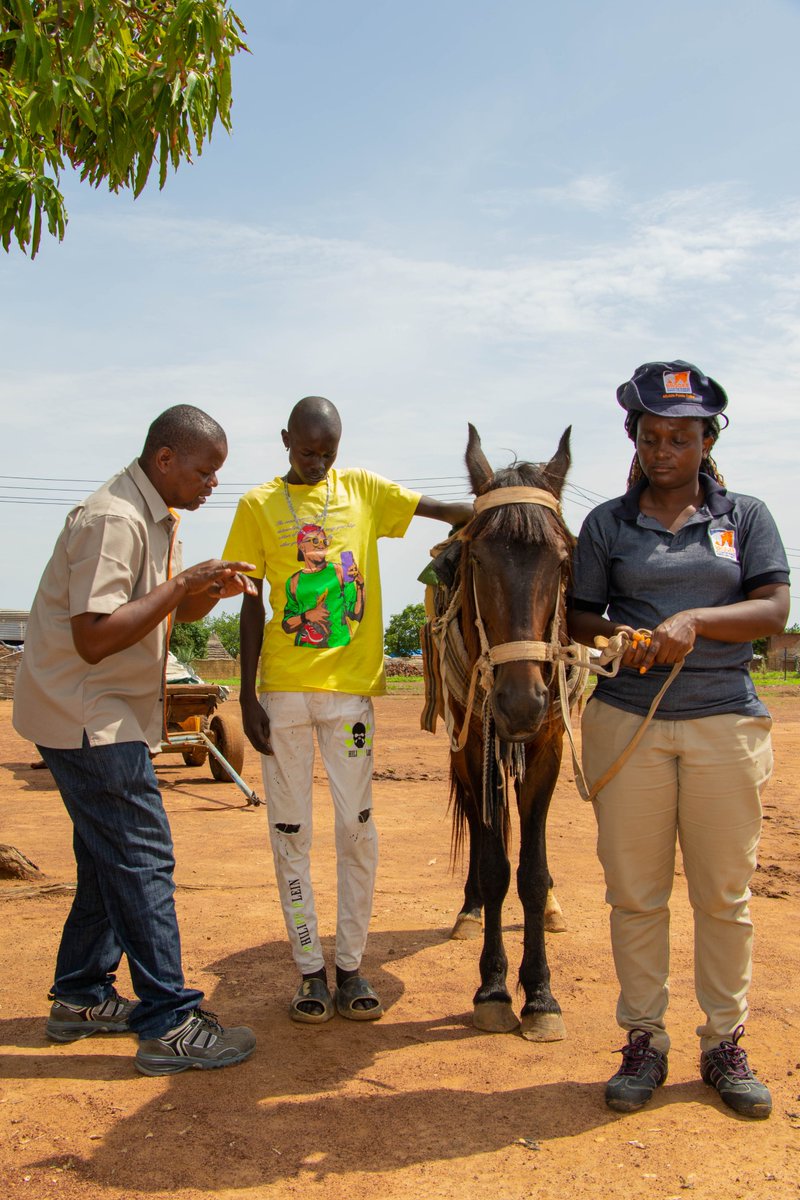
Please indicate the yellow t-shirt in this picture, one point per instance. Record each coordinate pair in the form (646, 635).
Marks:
(325, 633)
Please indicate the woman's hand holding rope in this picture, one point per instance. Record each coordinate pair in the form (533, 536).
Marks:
(666, 645)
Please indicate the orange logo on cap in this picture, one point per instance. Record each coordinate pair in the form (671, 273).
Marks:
(677, 383)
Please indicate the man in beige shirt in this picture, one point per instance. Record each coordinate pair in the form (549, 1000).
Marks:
(89, 694)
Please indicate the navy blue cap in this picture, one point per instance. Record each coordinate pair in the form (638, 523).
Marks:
(672, 389)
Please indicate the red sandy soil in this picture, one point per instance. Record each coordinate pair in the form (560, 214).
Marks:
(419, 1104)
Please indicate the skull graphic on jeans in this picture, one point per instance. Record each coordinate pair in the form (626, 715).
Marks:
(358, 739)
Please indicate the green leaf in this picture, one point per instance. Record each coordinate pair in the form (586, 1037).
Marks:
(36, 236)
(82, 31)
(83, 108)
(102, 84)
(94, 58)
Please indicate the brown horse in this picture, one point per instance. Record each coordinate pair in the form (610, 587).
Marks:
(506, 615)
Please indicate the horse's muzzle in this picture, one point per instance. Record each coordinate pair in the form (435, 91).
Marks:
(519, 705)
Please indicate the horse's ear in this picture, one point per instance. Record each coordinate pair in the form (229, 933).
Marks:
(556, 469)
(480, 472)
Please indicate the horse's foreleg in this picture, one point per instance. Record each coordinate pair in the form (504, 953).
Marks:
(468, 922)
(492, 1010)
(541, 1014)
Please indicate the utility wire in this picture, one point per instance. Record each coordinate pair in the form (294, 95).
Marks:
(443, 487)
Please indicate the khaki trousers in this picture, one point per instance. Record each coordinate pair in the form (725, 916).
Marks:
(700, 781)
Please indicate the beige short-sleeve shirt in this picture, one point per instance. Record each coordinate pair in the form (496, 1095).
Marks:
(114, 548)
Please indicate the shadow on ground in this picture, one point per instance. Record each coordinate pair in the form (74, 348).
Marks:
(310, 1099)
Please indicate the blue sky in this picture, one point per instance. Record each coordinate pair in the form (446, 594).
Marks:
(432, 213)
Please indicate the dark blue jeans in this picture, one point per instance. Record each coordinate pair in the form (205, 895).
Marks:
(124, 900)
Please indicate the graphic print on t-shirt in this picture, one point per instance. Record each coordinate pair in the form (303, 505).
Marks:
(323, 597)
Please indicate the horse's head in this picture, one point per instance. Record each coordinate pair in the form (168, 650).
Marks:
(516, 562)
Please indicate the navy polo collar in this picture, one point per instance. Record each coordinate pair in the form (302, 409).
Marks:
(718, 502)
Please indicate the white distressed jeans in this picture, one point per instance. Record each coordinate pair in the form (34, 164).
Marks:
(345, 727)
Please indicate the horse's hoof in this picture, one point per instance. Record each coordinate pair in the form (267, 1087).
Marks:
(543, 1027)
(553, 916)
(468, 926)
(495, 1016)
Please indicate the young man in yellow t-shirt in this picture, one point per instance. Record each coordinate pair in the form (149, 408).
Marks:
(313, 535)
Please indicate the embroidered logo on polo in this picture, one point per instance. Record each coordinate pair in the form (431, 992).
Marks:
(358, 739)
(723, 542)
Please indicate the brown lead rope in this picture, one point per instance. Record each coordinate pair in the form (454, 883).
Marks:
(620, 643)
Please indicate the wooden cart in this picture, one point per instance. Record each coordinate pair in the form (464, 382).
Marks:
(197, 732)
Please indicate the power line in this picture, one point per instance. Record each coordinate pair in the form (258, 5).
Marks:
(447, 488)
(243, 486)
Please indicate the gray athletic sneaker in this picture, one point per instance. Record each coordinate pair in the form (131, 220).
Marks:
(726, 1068)
(643, 1069)
(69, 1022)
(199, 1041)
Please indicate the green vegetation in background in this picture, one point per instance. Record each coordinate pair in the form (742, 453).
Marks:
(226, 627)
(190, 641)
(402, 633)
(769, 679)
(107, 87)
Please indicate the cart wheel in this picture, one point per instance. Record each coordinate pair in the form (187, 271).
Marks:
(197, 755)
(228, 737)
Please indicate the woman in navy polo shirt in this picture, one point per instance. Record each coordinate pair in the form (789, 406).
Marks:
(703, 569)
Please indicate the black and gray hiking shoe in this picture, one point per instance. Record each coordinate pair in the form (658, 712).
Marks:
(726, 1068)
(70, 1022)
(643, 1070)
(199, 1041)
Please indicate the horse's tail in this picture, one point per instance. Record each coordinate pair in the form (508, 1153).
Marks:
(463, 807)
(459, 804)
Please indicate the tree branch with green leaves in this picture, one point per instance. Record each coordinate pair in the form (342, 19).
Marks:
(401, 638)
(108, 87)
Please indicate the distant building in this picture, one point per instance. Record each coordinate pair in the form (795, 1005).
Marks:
(783, 649)
(217, 664)
(12, 626)
(215, 649)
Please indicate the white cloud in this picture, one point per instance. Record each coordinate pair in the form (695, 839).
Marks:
(592, 193)
(702, 238)
(411, 347)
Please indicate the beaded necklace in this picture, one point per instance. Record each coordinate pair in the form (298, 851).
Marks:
(322, 516)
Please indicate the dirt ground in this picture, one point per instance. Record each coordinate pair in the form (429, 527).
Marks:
(419, 1104)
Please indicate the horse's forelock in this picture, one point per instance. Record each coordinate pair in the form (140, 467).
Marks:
(529, 523)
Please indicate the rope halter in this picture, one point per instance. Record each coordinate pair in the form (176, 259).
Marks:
(506, 652)
(612, 651)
